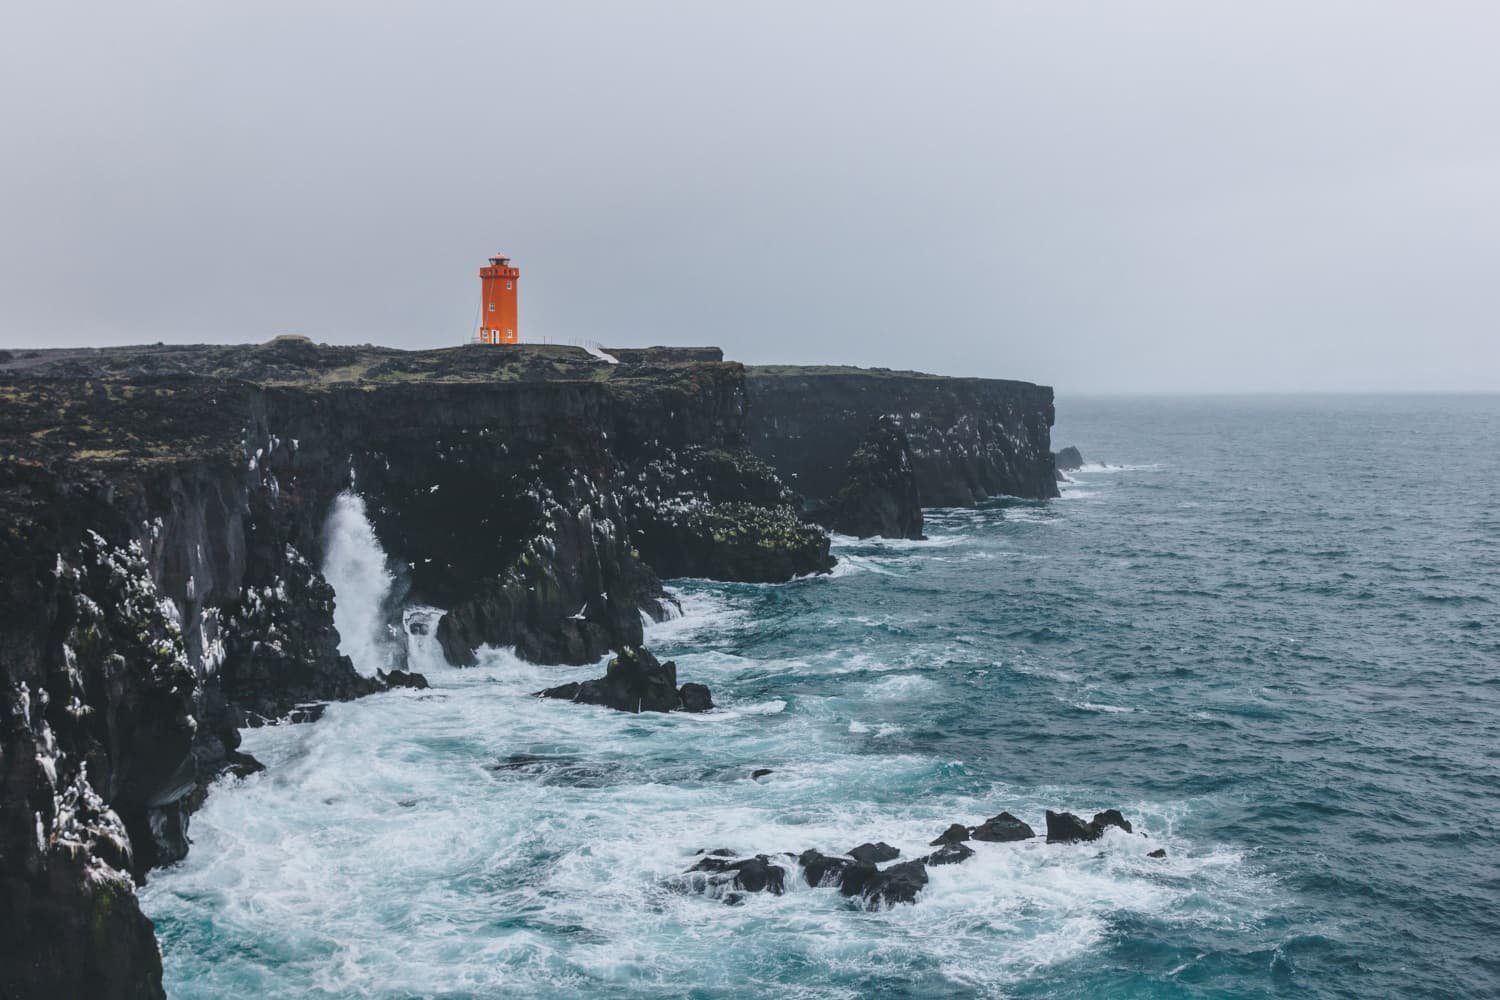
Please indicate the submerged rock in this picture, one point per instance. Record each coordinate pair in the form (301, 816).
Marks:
(636, 681)
(566, 770)
(759, 772)
(1160, 852)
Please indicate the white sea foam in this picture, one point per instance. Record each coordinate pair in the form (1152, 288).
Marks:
(850, 563)
(705, 613)
(381, 854)
(1096, 707)
(900, 686)
(878, 730)
(722, 714)
(1094, 468)
(472, 839)
(842, 542)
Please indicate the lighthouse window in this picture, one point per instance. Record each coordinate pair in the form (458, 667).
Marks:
(509, 285)
(492, 307)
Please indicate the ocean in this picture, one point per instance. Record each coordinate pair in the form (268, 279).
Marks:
(1267, 629)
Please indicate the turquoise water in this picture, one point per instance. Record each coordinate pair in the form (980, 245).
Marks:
(1269, 632)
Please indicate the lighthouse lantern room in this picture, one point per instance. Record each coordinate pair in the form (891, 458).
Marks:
(497, 320)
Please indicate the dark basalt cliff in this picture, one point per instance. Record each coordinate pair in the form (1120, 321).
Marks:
(880, 494)
(970, 438)
(162, 536)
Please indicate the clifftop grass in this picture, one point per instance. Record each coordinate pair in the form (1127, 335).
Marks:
(165, 401)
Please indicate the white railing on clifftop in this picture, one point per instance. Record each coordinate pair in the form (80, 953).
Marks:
(593, 347)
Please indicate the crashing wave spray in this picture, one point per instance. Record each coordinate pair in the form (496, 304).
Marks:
(355, 565)
(423, 651)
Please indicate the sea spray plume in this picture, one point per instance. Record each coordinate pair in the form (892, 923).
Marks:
(355, 565)
(423, 651)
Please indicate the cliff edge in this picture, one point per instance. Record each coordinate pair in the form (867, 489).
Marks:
(164, 513)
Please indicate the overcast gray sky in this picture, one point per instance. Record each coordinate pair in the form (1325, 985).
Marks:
(1104, 196)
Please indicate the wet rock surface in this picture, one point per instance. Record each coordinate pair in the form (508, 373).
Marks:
(955, 833)
(1002, 828)
(821, 869)
(864, 872)
(861, 879)
(405, 679)
(635, 681)
(898, 883)
(755, 874)
(874, 853)
(1065, 828)
(1112, 817)
(950, 854)
(1069, 459)
(695, 697)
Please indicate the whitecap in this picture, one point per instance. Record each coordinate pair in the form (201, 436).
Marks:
(1094, 468)
(1097, 707)
(878, 731)
(841, 542)
(730, 713)
(900, 686)
(704, 613)
(849, 564)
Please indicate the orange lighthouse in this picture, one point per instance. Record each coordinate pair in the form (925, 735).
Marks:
(497, 322)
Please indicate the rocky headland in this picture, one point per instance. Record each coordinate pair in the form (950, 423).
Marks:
(164, 514)
(966, 439)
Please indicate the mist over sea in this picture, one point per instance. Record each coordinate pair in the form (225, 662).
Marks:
(1267, 629)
